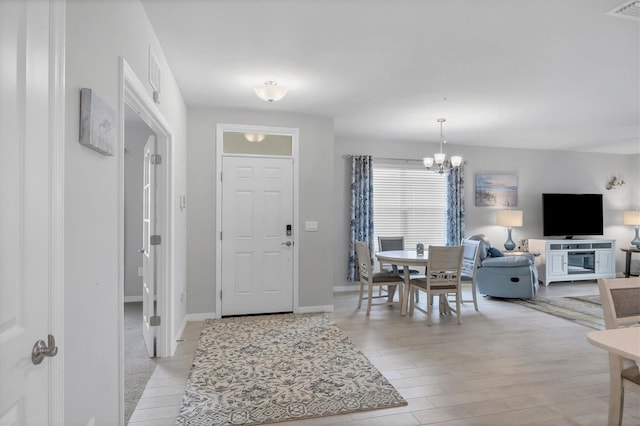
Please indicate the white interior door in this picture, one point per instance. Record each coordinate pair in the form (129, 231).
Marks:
(25, 212)
(257, 253)
(149, 245)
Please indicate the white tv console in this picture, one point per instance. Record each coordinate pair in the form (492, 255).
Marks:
(574, 260)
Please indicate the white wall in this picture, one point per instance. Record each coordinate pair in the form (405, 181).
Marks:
(135, 136)
(315, 203)
(538, 171)
(98, 34)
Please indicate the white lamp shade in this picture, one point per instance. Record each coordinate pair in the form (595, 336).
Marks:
(439, 157)
(270, 91)
(456, 160)
(509, 217)
(632, 217)
(255, 137)
(428, 161)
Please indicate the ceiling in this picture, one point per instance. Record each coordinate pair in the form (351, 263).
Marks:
(544, 74)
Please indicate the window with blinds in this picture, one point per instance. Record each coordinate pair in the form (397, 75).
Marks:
(409, 201)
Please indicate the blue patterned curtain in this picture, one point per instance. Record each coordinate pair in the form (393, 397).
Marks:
(361, 208)
(455, 206)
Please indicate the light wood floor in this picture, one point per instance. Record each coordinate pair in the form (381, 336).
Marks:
(505, 365)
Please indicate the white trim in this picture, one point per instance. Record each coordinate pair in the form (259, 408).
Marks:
(201, 316)
(134, 94)
(346, 288)
(130, 299)
(57, 30)
(312, 309)
(289, 131)
(183, 325)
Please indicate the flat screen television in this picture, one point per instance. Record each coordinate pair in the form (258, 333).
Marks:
(569, 215)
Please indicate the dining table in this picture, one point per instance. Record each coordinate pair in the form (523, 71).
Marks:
(406, 259)
(624, 342)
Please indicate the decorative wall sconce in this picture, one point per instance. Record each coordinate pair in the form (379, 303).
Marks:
(614, 182)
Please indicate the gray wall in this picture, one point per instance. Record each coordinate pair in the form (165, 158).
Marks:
(316, 201)
(538, 171)
(98, 34)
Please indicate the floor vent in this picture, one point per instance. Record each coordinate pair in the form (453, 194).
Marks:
(627, 10)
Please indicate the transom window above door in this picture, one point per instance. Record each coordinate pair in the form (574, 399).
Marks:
(257, 143)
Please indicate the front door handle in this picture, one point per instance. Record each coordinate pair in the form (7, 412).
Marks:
(141, 250)
(42, 349)
(288, 244)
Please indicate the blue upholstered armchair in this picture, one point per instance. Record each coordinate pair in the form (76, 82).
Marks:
(510, 277)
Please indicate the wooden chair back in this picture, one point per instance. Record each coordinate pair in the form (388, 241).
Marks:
(620, 298)
(444, 267)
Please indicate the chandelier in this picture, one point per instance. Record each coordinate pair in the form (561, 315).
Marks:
(439, 163)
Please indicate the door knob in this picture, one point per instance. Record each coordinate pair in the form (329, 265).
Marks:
(288, 244)
(42, 349)
(141, 250)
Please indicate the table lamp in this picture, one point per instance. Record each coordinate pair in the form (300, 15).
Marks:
(509, 218)
(632, 217)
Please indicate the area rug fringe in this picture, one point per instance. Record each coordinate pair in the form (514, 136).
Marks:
(274, 368)
(584, 310)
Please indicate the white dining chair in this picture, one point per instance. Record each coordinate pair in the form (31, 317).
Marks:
(371, 279)
(620, 298)
(442, 278)
(470, 259)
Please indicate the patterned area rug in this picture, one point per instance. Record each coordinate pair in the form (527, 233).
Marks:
(585, 310)
(274, 368)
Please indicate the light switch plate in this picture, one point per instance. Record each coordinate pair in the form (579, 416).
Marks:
(311, 225)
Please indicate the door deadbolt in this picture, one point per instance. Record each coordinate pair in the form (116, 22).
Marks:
(42, 349)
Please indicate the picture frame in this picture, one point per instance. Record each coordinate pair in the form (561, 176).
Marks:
(496, 190)
(97, 123)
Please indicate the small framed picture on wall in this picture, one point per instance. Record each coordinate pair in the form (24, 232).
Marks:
(494, 190)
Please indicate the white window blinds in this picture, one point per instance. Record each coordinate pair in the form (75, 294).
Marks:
(408, 201)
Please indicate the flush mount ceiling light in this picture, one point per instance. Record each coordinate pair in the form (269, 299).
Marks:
(270, 91)
(255, 137)
(439, 162)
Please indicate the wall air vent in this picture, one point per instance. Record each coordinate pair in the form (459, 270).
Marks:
(627, 10)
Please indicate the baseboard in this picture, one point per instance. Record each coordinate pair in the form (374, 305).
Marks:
(174, 343)
(201, 316)
(128, 299)
(345, 288)
(312, 309)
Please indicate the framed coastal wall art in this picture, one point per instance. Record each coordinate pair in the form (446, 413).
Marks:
(97, 123)
(496, 190)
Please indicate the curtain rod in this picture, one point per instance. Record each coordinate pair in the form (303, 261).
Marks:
(382, 158)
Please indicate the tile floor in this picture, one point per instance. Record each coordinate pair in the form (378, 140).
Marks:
(505, 365)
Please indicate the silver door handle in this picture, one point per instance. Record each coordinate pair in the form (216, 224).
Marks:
(42, 349)
(288, 244)
(141, 250)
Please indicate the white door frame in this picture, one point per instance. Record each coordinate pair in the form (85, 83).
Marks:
(221, 128)
(57, 42)
(134, 94)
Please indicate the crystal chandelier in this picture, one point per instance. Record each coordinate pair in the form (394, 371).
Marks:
(439, 163)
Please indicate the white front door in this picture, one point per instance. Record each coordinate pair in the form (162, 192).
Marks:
(149, 244)
(27, 203)
(257, 235)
